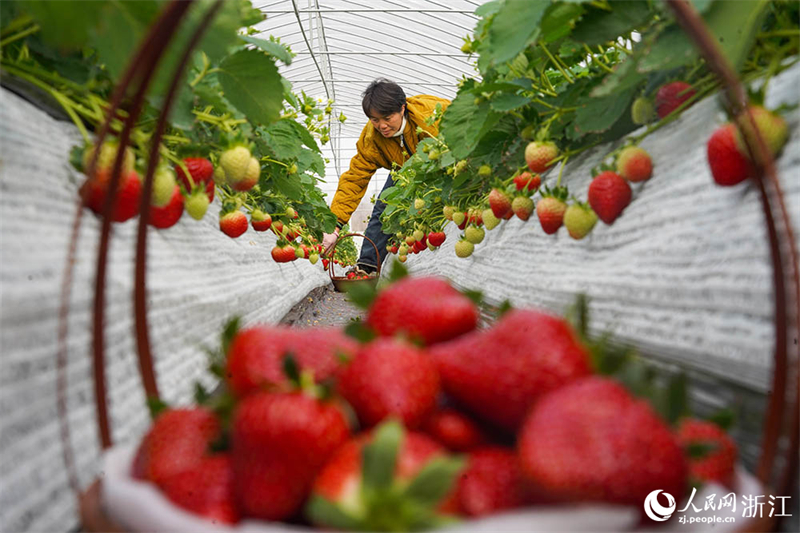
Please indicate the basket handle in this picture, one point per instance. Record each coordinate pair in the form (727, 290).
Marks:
(333, 249)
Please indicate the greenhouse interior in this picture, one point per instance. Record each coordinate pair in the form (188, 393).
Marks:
(452, 265)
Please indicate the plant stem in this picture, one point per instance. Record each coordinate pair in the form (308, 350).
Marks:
(561, 170)
(556, 63)
(20, 35)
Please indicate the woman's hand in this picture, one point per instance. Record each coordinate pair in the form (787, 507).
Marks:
(328, 240)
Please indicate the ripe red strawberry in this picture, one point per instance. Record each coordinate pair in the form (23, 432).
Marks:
(538, 155)
(499, 202)
(728, 165)
(500, 372)
(129, 192)
(390, 377)
(491, 482)
(591, 441)
(260, 220)
(364, 498)
(634, 164)
(233, 224)
(277, 228)
(436, 238)
(280, 441)
(177, 441)
(167, 216)
(206, 489)
(522, 206)
(455, 430)
(672, 95)
(475, 217)
(710, 451)
(202, 173)
(527, 182)
(423, 307)
(609, 195)
(551, 213)
(465, 221)
(255, 356)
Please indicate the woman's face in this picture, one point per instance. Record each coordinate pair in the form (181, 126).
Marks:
(387, 125)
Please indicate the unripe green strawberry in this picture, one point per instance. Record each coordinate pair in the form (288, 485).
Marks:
(431, 247)
(489, 220)
(642, 111)
(108, 153)
(464, 248)
(313, 258)
(467, 47)
(163, 187)
(418, 234)
(426, 148)
(433, 155)
(219, 176)
(474, 234)
(249, 179)
(460, 166)
(538, 155)
(448, 212)
(291, 212)
(634, 164)
(485, 171)
(579, 220)
(771, 127)
(234, 163)
(459, 217)
(299, 253)
(293, 168)
(551, 213)
(522, 206)
(197, 204)
(419, 204)
(403, 250)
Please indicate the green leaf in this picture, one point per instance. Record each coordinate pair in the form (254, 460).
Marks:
(156, 406)
(724, 418)
(578, 315)
(556, 22)
(488, 9)
(508, 102)
(288, 186)
(305, 136)
(283, 139)
(475, 296)
(274, 49)
(311, 160)
(676, 398)
(601, 113)
(120, 30)
(598, 26)
(702, 5)
(324, 512)
(380, 456)
(504, 308)
(699, 450)
(359, 331)
(361, 294)
(464, 123)
(624, 77)
(229, 333)
(252, 84)
(290, 368)
(733, 24)
(398, 272)
(65, 24)
(514, 27)
(435, 480)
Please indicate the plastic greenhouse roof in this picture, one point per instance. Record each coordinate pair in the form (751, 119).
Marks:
(342, 45)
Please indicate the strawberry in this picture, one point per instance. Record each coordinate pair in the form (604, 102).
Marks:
(299, 252)
(634, 164)
(202, 173)
(163, 185)
(538, 155)
(522, 206)
(459, 218)
(551, 213)
(313, 258)
(435, 238)
(235, 164)
(591, 441)
(402, 258)
(418, 234)
(579, 220)
(771, 127)
(168, 216)
(291, 212)
(464, 248)
(491, 482)
(474, 234)
(710, 451)
(500, 372)
(671, 96)
(277, 228)
(255, 356)
(489, 220)
(129, 191)
(177, 441)
(390, 377)
(448, 211)
(499, 202)
(426, 308)
(197, 204)
(205, 489)
(419, 204)
(233, 224)
(527, 182)
(280, 441)
(474, 217)
(642, 111)
(105, 161)
(385, 480)
(260, 220)
(250, 177)
(455, 430)
(728, 165)
(609, 195)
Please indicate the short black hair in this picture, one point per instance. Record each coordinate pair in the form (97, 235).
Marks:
(384, 97)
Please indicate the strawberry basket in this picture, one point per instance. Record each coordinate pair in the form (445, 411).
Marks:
(342, 283)
(120, 500)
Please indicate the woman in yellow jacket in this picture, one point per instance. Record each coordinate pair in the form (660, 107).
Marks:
(390, 137)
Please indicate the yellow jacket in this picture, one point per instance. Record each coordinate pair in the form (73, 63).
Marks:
(376, 151)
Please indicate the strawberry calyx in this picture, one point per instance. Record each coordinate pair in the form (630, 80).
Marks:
(383, 501)
(559, 193)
